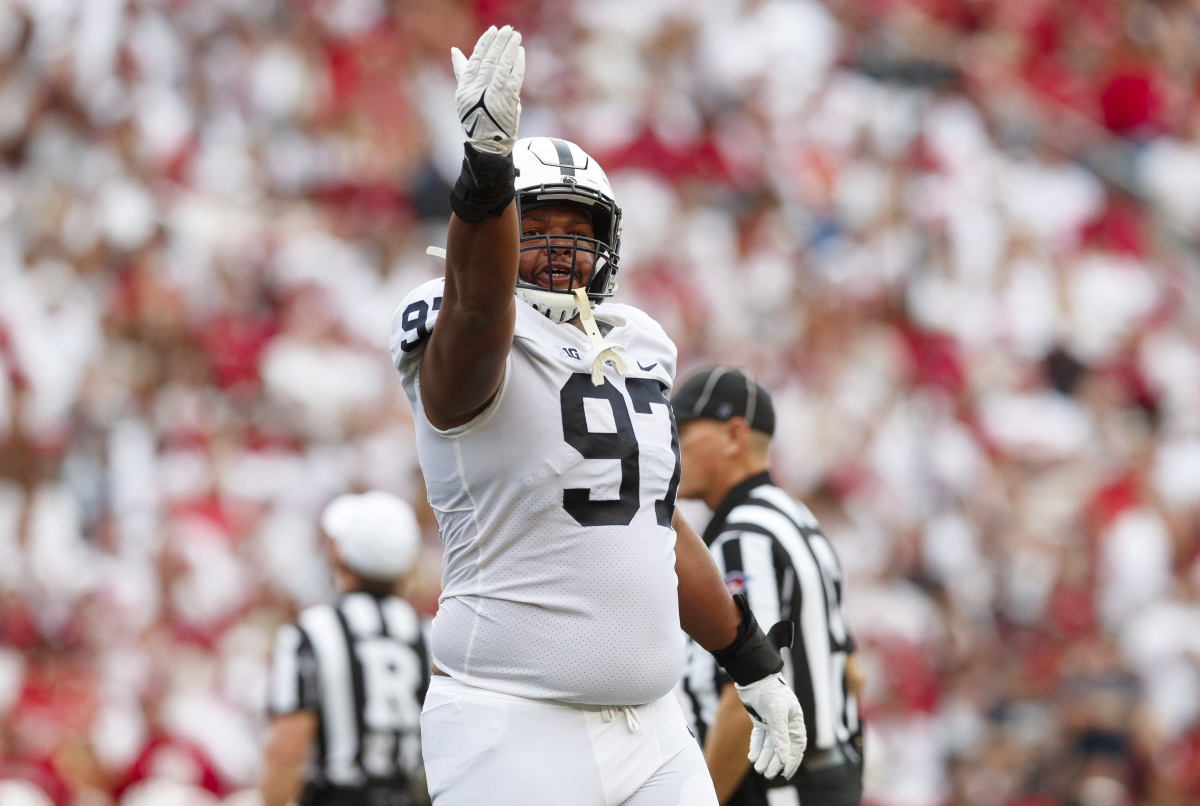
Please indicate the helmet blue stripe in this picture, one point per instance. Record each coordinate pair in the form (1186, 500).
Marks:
(565, 160)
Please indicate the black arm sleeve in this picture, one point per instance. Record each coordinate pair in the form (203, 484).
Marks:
(485, 185)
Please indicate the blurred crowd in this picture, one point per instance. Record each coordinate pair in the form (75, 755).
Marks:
(959, 241)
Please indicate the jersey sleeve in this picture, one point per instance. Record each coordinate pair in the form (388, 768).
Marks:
(411, 325)
(293, 684)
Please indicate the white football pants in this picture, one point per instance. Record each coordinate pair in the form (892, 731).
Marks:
(484, 748)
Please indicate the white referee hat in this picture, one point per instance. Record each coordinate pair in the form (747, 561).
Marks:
(376, 533)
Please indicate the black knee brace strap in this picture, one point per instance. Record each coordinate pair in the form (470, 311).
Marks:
(485, 185)
(753, 655)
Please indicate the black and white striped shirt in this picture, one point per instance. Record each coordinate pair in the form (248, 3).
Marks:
(361, 665)
(769, 546)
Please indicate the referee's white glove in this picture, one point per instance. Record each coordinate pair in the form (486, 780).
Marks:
(778, 739)
(489, 89)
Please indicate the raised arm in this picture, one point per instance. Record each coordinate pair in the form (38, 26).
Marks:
(463, 363)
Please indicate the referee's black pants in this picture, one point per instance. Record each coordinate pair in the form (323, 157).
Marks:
(838, 785)
(356, 796)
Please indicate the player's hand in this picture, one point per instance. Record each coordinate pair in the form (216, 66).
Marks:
(489, 89)
(778, 738)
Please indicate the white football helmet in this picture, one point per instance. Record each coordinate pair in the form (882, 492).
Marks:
(550, 170)
(376, 533)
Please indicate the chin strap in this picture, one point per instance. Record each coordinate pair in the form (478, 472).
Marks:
(602, 352)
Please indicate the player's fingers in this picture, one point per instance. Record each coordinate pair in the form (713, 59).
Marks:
(459, 61)
(495, 49)
(507, 56)
(484, 43)
(756, 743)
(767, 759)
(799, 740)
(793, 765)
(779, 731)
(763, 752)
(774, 767)
(479, 54)
(518, 68)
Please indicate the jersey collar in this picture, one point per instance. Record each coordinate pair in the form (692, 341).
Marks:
(736, 495)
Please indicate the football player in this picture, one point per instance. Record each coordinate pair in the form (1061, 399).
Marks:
(548, 445)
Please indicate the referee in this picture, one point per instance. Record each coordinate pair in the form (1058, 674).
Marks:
(769, 547)
(348, 679)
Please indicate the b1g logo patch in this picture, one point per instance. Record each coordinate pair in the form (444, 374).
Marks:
(736, 582)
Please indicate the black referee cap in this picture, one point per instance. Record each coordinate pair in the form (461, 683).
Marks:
(720, 393)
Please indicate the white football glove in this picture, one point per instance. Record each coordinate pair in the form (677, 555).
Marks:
(778, 739)
(489, 89)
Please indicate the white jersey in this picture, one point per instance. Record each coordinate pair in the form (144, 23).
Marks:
(554, 507)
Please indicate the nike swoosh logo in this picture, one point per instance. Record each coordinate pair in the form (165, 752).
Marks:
(647, 369)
